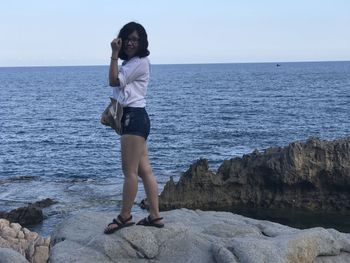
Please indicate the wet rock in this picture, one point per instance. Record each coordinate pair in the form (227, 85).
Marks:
(44, 203)
(18, 179)
(28, 215)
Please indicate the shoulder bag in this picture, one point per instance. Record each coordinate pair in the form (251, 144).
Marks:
(112, 115)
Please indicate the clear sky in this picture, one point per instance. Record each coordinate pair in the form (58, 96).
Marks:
(79, 32)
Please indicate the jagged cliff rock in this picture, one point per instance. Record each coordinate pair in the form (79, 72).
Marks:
(312, 175)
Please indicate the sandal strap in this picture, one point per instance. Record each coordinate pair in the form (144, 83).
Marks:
(144, 221)
(151, 221)
(114, 221)
(122, 220)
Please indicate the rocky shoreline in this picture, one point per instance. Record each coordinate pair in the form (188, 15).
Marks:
(188, 236)
(313, 176)
(195, 236)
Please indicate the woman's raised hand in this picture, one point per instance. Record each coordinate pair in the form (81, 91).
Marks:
(116, 44)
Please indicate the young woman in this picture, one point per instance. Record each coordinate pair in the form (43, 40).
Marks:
(129, 84)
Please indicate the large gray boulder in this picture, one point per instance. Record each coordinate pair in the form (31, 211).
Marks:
(312, 176)
(195, 236)
(10, 256)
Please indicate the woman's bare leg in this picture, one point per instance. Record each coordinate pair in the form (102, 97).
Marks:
(131, 150)
(132, 147)
(149, 182)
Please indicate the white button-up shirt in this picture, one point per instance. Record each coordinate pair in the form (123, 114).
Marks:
(133, 78)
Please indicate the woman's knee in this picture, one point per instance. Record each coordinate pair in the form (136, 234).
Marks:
(144, 173)
(130, 172)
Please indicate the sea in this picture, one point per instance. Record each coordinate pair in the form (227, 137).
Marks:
(52, 144)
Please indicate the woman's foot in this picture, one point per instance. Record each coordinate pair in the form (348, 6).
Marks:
(149, 221)
(118, 223)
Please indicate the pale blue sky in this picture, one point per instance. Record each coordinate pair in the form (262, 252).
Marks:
(78, 32)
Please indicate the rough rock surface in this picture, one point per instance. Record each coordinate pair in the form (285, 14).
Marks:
(25, 244)
(195, 236)
(28, 215)
(312, 175)
(8, 255)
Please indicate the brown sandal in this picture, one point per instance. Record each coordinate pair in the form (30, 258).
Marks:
(147, 221)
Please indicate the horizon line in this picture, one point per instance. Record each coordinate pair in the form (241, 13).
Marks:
(165, 64)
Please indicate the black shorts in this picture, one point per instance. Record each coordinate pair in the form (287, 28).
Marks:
(135, 121)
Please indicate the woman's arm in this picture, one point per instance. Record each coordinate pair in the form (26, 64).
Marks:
(113, 67)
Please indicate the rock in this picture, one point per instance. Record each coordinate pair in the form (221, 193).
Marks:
(143, 242)
(26, 230)
(17, 179)
(24, 244)
(28, 215)
(303, 246)
(195, 236)
(44, 203)
(30, 250)
(15, 226)
(223, 255)
(41, 254)
(40, 241)
(30, 245)
(4, 222)
(20, 235)
(4, 243)
(312, 175)
(11, 256)
(342, 258)
(76, 253)
(31, 236)
(8, 232)
(47, 241)
(12, 240)
(343, 239)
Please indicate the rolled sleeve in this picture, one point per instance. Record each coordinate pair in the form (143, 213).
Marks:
(131, 71)
(122, 78)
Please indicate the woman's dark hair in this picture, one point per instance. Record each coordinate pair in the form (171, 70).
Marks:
(128, 29)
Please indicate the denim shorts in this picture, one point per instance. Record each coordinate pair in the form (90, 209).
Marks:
(135, 121)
